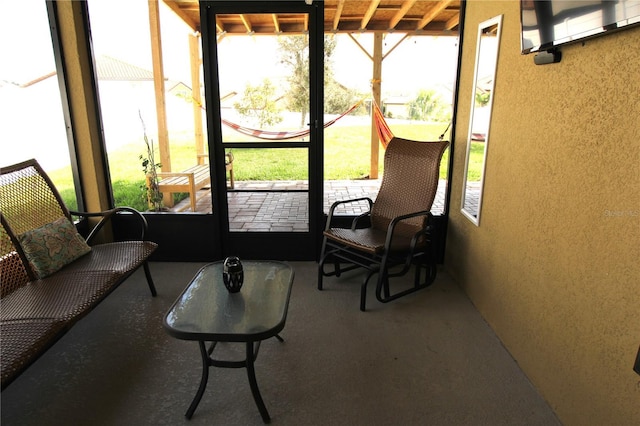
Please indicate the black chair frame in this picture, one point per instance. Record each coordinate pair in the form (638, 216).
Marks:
(421, 255)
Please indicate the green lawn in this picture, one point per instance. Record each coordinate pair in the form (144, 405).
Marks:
(347, 152)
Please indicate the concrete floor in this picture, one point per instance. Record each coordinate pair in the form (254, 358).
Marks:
(425, 359)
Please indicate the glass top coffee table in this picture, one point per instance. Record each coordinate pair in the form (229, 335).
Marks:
(207, 312)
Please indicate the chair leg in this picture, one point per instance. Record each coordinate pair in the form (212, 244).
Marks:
(320, 273)
(363, 291)
(383, 278)
(323, 257)
(147, 273)
(431, 271)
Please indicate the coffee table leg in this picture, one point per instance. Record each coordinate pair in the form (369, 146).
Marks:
(203, 381)
(254, 384)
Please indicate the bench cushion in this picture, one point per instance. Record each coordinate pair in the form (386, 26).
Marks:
(52, 246)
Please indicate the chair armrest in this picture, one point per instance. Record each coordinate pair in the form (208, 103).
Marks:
(357, 219)
(107, 215)
(396, 220)
(337, 203)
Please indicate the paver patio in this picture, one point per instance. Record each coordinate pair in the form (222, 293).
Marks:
(252, 207)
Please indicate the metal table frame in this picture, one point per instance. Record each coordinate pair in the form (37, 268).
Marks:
(262, 279)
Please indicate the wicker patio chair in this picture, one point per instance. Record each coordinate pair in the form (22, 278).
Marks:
(396, 231)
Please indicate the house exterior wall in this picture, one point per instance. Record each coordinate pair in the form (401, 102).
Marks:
(554, 265)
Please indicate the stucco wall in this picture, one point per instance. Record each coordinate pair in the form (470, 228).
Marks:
(554, 266)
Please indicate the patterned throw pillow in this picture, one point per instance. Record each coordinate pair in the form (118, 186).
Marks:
(52, 246)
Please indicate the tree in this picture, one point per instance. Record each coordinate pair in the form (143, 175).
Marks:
(294, 53)
(482, 98)
(427, 105)
(259, 102)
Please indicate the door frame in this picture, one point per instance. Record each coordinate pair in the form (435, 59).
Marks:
(256, 245)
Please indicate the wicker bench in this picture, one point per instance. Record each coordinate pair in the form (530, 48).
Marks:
(190, 181)
(42, 300)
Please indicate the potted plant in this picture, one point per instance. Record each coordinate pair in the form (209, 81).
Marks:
(150, 169)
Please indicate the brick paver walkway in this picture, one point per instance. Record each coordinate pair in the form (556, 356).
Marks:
(287, 211)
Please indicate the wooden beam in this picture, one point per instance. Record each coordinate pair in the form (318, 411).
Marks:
(220, 25)
(429, 16)
(370, 11)
(360, 46)
(276, 24)
(194, 56)
(182, 15)
(395, 45)
(336, 18)
(376, 83)
(246, 23)
(400, 14)
(452, 22)
(158, 84)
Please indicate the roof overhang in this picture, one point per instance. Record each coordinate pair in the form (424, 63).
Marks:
(419, 17)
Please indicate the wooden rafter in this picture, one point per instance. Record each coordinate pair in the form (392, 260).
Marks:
(184, 15)
(401, 13)
(453, 22)
(430, 16)
(336, 18)
(246, 22)
(369, 13)
(421, 17)
(276, 23)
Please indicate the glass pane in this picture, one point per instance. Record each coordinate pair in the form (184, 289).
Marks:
(264, 87)
(127, 97)
(266, 104)
(271, 190)
(417, 83)
(30, 104)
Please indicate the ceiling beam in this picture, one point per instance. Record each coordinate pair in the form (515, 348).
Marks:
(195, 26)
(452, 22)
(435, 10)
(220, 26)
(246, 23)
(367, 16)
(336, 18)
(401, 13)
(276, 24)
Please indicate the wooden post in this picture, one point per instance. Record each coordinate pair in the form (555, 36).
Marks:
(376, 81)
(158, 83)
(194, 54)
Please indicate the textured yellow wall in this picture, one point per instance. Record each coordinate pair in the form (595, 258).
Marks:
(554, 266)
(83, 107)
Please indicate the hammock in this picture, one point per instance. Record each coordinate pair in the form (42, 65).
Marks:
(382, 128)
(282, 135)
